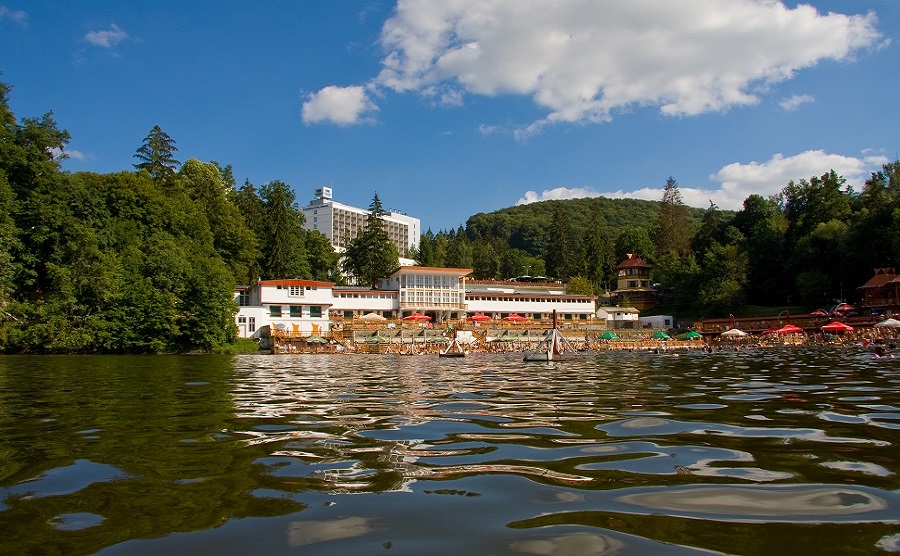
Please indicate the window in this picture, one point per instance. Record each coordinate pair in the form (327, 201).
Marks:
(296, 311)
(242, 320)
(295, 291)
(275, 310)
(315, 312)
(348, 314)
(244, 298)
(252, 326)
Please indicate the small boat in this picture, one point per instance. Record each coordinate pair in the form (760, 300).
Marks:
(453, 349)
(554, 347)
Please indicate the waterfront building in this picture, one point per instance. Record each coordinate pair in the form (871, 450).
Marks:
(633, 287)
(341, 223)
(882, 292)
(619, 317)
(445, 295)
(299, 306)
(532, 300)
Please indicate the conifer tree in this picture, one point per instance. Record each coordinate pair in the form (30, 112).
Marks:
(371, 254)
(156, 155)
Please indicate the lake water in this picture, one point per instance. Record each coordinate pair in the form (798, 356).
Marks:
(767, 452)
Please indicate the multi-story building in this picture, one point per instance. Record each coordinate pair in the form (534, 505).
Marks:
(444, 294)
(342, 223)
(633, 284)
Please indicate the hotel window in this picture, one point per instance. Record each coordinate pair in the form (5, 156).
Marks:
(242, 320)
(275, 310)
(315, 312)
(251, 326)
(296, 311)
(295, 291)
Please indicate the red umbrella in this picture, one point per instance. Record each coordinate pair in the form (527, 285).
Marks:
(479, 317)
(773, 330)
(837, 326)
(417, 317)
(515, 317)
(789, 329)
(819, 313)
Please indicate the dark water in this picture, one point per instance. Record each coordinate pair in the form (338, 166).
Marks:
(783, 451)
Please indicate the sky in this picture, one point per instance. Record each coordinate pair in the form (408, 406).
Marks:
(448, 108)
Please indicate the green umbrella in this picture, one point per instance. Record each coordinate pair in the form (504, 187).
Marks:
(692, 335)
(661, 336)
(376, 339)
(609, 335)
(316, 340)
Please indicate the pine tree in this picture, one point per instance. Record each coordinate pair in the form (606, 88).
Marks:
(371, 254)
(673, 230)
(156, 156)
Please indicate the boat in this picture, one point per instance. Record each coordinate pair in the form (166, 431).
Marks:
(453, 349)
(554, 347)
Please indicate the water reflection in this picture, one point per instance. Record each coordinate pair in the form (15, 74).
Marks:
(624, 453)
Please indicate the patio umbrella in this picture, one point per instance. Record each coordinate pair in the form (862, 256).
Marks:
(691, 335)
(660, 335)
(609, 335)
(376, 339)
(889, 323)
(479, 317)
(314, 339)
(789, 329)
(773, 330)
(372, 317)
(733, 333)
(837, 326)
(417, 317)
(515, 317)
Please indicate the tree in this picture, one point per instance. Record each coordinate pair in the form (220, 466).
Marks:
(156, 155)
(561, 257)
(285, 246)
(371, 254)
(634, 239)
(673, 229)
(459, 251)
(233, 239)
(598, 254)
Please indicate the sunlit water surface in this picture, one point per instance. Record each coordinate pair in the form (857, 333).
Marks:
(781, 451)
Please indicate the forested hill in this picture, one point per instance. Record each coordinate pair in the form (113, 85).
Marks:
(525, 226)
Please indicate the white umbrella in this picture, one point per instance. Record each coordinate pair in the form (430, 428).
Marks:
(372, 317)
(890, 323)
(733, 333)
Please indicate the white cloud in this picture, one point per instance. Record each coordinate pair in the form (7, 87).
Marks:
(107, 39)
(338, 105)
(59, 154)
(583, 60)
(737, 181)
(794, 102)
(16, 16)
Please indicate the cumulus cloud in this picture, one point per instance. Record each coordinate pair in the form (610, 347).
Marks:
(107, 39)
(794, 102)
(16, 16)
(737, 181)
(338, 105)
(584, 60)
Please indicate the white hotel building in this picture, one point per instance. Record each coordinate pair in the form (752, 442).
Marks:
(342, 223)
(306, 306)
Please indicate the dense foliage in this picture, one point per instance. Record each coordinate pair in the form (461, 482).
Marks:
(143, 261)
(814, 243)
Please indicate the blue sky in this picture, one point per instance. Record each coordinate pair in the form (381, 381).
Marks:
(454, 107)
